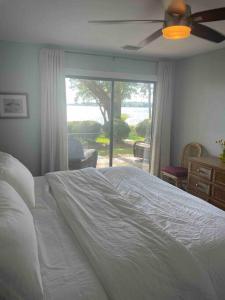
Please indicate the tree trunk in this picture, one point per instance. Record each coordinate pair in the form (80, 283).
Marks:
(117, 101)
(102, 98)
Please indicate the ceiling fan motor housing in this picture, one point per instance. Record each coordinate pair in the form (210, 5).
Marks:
(172, 19)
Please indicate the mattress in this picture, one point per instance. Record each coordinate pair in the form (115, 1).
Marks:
(67, 269)
(66, 272)
(194, 223)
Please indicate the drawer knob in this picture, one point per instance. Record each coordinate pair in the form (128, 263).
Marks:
(197, 185)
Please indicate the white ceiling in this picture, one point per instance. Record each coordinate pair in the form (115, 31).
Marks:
(65, 23)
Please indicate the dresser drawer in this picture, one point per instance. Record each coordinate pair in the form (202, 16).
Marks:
(219, 177)
(218, 193)
(198, 194)
(218, 204)
(199, 186)
(206, 179)
(201, 170)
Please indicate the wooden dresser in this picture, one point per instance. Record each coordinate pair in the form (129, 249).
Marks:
(206, 180)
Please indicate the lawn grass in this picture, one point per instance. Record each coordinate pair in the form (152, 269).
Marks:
(135, 138)
(102, 145)
(102, 140)
(133, 135)
(122, 150)
(119, 150)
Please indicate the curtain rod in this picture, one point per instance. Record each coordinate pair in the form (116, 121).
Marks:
(110, 56)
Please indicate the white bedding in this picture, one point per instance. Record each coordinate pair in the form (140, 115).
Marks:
(66, 273)
(197, 225)
(179, 254)
(143, 238)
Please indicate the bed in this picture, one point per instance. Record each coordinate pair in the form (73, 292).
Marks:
(92, 251)
(114, 234)
(66, 273)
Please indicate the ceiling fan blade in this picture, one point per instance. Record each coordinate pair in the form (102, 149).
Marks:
(212, 15)
(207, 33)
(150, 38)
(112, 22)
(145, 42)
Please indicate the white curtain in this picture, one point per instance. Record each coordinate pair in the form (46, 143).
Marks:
(53, 111)
(160, 156)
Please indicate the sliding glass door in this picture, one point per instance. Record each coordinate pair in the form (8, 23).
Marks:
(88, 111)
(132, 119)
(111, 118)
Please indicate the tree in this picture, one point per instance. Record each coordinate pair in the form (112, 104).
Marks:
(99, 92)
(91, 91)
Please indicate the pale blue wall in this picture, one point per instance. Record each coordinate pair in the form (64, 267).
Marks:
(19, 72)
(199, 106)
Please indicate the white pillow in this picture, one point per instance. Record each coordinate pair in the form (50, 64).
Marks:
(20, 276)
(18, 176)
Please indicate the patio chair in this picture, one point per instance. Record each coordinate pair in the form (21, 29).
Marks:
(141, 149)
(80, 158)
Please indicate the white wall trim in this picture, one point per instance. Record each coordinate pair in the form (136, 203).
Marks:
(109, 75)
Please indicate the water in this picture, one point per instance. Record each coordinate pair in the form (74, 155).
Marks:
(92, 113)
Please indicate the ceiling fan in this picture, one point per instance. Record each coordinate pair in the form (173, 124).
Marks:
(179, 23)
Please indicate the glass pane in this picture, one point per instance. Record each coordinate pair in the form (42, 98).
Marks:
(88, 113)
(133, 102)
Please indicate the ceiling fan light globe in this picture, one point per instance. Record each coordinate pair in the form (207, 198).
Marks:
(176, 32)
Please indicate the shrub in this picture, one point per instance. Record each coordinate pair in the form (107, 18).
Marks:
(86, 130)
(143, 128)
(121, 130)
(124, 117)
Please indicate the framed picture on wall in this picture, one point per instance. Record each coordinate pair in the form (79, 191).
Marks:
(13, 105)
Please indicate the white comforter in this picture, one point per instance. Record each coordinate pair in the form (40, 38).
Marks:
(130, 236)
(65, 271)
(199, 226)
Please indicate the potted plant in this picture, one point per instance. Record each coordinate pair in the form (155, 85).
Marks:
(221, 142)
